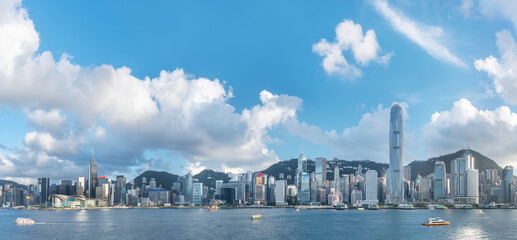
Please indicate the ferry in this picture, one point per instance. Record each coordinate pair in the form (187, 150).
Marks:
(256, 216)
(437, 207)
(360, 209)
(435, 222)
(406, 207)
(24, 221)
(213, 208)
(342, 207)
(373, 207)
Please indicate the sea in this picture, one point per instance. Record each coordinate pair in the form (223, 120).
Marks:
(280, 223)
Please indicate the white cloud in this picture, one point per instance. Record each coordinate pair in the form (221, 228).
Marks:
(427, 37)
(504, 9)
(73, 107)
(349, 35)
(503, 71)
(491, 132)
(367, 140)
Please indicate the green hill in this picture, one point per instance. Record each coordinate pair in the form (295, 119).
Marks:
(426, 167)
(3, 182)
(208, 177)
(162, 178)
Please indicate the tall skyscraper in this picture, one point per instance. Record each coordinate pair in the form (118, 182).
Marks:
(305, 189)
(508, 184)
(189, 181)
(371, 187)
(440, 180)
(197, 193)
(120, 190)
(321, 171)
(281, 192)
(80, 186)
(464, 179)
(43, 190)
(396, 139)
(302, 167)
(92, 177)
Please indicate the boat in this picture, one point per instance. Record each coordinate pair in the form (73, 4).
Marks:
(406, 207)
(24, 221)
(256, 216)
(342, 207)
(435, 222)
(213, 208)
(437, 207)
(373, 207)
(360, 209)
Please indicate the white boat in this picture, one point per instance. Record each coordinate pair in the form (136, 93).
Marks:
(24, 221)
(256, 216)
(435, 222)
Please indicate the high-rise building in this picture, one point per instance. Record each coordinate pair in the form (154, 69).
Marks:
(337, 179)
(197, 193)
(396, 141)
(189, 181)
(120, 190)
(440, 180)
(280, 192)
(302, 167)
(371, 187)
(464, 180)
(321, 171)
(92, 177)
(345, 187)
(407, 173)
(43, 190)
(508, 184)
(305, 190)
(80, 186)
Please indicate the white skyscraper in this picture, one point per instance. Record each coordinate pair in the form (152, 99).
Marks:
(396, 139)
(371, 187)
(280, 192)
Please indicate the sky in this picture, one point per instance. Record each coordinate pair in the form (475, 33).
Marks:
(181, 86)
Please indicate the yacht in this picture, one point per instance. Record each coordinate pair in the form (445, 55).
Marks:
(435, 222)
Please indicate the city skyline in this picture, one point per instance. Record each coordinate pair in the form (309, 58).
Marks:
(172, 99)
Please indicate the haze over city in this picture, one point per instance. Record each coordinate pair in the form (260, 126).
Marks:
(181, 87)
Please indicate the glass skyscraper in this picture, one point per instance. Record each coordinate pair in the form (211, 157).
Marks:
(396, 174)
(92, 177)
(321, 171)
(508, 184)
(440, 180)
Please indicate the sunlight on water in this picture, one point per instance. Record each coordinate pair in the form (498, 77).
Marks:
(81, 216)
(469, 233)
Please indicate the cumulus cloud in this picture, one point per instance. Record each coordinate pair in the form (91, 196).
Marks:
(491, 132)
(367, 140)
(503, 71)
(427, 37)
(73, 108)
(349, 35)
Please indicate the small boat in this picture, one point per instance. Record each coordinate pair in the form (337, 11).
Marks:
(24, 221)
(435, 222)
(360, 209)
(342, 207)
(256, 216)
(213, 208)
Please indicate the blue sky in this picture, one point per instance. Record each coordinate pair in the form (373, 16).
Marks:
(268, 45)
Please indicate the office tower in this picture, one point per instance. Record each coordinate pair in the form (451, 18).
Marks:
(152, 184)
(120, 190)
(371, 187)
(197, 193)
(305, 190)
(80, 186)
(314, 191)
(218, 186)
(508, 184)
(345, 187)
(440, 180)
(189, 181)
(280, 192)
(321, 171)
(396, 141)
(425, 188)
(302, 167)
(337, 178)
(407, 173)
(464, 180)
(381, 189)
(359, 171)
(356, 196)
(92, 177)
(44, 190)
(65, 187)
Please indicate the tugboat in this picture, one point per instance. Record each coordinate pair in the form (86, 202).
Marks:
(256, 217)
(435, 222)
(24, 221)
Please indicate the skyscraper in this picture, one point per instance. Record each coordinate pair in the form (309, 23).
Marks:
(321, 171)
(80, 186)
(302, 167)
(371, 186)
(396, 139)
(464, 179)
(43, 190)
(440, 180)
(92, 177)
(508, 184)
(120, 190)
(197, 193)
(189, 181)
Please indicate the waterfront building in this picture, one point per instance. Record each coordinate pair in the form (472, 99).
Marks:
(314, 191)
(508, 184)
(356, 196)
(305, 192)
(197, 193)
(345, 187)
(80, 186)
(235, 192)
(396, 145)
(321, 171)
(281, 192)
(161, 196)
(189, 181)
(381, 189)
(371, 187)
(218, 186)
(440, 180)
(120, 190)
(43, 190)
(425, 188)
(464, 180)
(92, 177)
